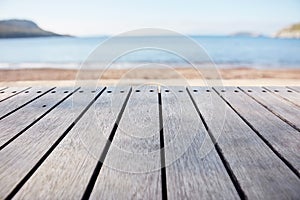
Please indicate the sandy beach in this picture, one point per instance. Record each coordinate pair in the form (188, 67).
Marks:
(177, 76)
(177, 73)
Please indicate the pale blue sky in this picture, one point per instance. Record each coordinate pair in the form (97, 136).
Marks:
(92, 17)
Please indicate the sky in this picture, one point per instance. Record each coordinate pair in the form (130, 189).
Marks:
(193, 17)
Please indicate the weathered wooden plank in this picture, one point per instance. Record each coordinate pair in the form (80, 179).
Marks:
(259, 172)
(28, 151)
(194, 170)
(66, 172)
(295, 88)
(279, 135)
(285, 93)
(281, 108)
(3, 88)
(132, 166)
(22, 99)
(10, 92)
(18, 122)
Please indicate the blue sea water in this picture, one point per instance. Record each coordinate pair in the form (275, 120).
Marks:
(225, 51)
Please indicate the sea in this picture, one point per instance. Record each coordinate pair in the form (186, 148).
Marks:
(222, 51)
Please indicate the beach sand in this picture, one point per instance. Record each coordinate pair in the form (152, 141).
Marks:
(177, 76)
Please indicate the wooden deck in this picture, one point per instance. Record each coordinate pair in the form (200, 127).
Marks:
(150, 143)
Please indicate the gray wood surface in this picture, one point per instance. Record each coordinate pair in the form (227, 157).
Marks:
(10, 92)
(259, 172)
(281, 136)
(27, 116)
(280, 107)
(295, 88)
(132, 165)
(72, 162)
(3, 88)
(21, 99)
(54, 147)
(20, 156)
(194, 170)
(285, 93)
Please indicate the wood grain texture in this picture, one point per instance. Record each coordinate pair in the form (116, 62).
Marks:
(26, 116)
(10, 92)
(281, 136)
(53, 147)
(295, 88)
(194, 170)
(22, 98)
(3, 88)
(132, 165)
(20, 156)
(280, 107)
(67, 171)
(259, 172)
(285, 93)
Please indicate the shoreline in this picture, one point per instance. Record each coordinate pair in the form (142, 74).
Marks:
(176, 73)
(177, 76)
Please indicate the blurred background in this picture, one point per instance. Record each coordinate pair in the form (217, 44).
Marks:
(49, 40)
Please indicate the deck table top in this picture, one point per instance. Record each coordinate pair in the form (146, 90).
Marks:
(150, 142)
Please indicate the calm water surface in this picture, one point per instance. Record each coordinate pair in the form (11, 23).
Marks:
(225, 51)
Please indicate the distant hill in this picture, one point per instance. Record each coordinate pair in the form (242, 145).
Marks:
(289, 32)
(22, 28)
